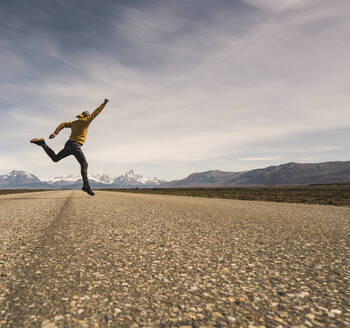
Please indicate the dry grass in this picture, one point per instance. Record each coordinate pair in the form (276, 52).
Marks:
(338, 195)
(16, 191)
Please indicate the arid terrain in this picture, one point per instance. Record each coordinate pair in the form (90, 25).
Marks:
(329, 194)
(139, 260)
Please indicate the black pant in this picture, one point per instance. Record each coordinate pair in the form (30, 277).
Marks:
(71, 148)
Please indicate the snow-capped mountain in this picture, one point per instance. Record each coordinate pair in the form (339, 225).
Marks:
(69, 179)
(73, 179)
(22, 179)
(128, 180)
(132, 179)
(102, 178)
(19, 179)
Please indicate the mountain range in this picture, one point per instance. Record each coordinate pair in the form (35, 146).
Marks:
(21, 179)
(279, 175)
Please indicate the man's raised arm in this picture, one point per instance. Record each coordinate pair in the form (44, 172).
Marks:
(98, 110)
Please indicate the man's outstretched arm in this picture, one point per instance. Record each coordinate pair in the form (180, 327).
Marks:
(60, 127)
(98, 110)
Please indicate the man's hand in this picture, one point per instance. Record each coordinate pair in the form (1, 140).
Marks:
(106, 101)
(52, 135)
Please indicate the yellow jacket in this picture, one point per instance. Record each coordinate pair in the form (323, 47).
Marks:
(80, 127)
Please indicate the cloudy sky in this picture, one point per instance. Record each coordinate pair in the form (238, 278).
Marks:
(194, 84)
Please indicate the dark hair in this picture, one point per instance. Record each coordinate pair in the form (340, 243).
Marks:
(86, 113)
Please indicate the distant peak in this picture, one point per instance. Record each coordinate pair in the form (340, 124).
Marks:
(17, 171)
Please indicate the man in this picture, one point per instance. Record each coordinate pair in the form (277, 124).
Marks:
(73, 145)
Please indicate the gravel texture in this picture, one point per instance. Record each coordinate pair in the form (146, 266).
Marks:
(137, 260)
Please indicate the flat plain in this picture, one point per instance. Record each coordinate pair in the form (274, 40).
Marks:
(138, 260)
(327, 194)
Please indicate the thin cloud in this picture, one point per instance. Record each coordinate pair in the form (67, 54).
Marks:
(279, 5)
(256, 159)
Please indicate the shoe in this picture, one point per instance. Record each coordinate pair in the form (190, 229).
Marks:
(38, 141)
(88, 190)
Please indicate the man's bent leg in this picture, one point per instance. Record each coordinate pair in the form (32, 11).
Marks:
(56, 157)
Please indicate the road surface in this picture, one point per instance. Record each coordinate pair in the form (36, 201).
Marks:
(137, 260)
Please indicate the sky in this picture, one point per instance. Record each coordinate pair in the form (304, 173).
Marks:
(194, 85)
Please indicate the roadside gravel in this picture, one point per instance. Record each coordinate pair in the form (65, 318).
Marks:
(136, 260)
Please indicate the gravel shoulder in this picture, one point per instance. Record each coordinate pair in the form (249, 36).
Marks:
(137, 260)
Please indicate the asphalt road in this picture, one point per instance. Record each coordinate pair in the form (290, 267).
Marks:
(135, 260)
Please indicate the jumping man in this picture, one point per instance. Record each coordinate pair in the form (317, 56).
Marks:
(73, 145)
